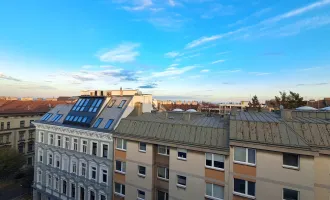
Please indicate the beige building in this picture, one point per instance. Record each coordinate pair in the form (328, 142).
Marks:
(247, 155)
(225, 108)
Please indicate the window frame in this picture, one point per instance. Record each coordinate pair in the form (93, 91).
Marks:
(108, 124)
(166, 173)
(58, 140)
(81, 162)
(246, 190)
(177, 181)
(73, 143)
(98, 122)
(49, 139)
(122, 144)
(41, 136)
(102, 150)
(213, 197)
(145, 170)
(121, 190)
(91, 147)
(167, 150)
(212, 161)
(122, 103)
(64, 142)
(82, 145)
(122, 166)
(246, 157)
(292, 190)
(290, 166)
(141, 150)
(139, 198)
(91, 166)
(182, 151)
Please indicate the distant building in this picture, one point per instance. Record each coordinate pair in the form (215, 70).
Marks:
(225, 108)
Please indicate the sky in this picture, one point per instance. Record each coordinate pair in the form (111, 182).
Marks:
(212, 50)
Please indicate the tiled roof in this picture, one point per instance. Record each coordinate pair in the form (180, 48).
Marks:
(200, 130)
(24, 107)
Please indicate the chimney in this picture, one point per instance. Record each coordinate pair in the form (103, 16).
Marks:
(286, 114)
(137, 109)
(233, 111)
(121, 91)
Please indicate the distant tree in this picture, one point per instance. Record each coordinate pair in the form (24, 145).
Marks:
(254, 103)
(10, 162)
(288, 101)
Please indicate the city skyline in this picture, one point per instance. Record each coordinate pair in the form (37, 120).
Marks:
(175, 49)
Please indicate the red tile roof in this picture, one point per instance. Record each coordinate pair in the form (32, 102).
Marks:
(26, 107)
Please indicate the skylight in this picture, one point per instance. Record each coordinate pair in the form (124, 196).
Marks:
(108, 124)
(97, 123)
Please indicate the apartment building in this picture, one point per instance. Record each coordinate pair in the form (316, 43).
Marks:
(16, 128)
(225, 108)
(247, 155)
(74, 146)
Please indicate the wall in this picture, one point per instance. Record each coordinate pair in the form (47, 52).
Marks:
(322, 177)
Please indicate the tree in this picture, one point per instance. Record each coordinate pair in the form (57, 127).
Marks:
(255, 103)
(10, 162)
(291, 101)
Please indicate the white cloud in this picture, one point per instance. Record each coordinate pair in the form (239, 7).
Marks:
(174, 65)
(171, 2)
(230, 71)
(87, 66)
(205, 70)
(218, 61)
(260, 73)
(107, 66)
(172, 54)
(224, 52)
(173, 71)
(195, 76)
(202, 40)
(139, 5)
(125, 52)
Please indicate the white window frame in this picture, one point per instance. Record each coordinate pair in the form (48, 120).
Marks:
(212, 197)
(58, 140)
(143, 175)
(66, 189)
(65, 165)
(167, 149)
(73, 143)
(121, 166)
(290, 189)
(90, 189)
(41, 136)
(121, 190)
(213, 167)
(55, 160)
(47, 179)
(182, 151)
(82, 146)
(122, 144)
(40, 155)
(177, 181)
(39, 176)
(91, 165)
(49, 139)
(246, 157)
(74, 160)
(91, 147)
(139, 198)
(64, 142)
(246, 190)
(289, 166)
(50, 154)
(166, 175)
(141, 150)
(80, 168)
(102, 194)
(70, 192)
(102, 144)
(56, 185)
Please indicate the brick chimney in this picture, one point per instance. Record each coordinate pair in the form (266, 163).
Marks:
(121, 91)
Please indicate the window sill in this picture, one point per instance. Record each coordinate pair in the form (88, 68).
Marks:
(142, 151)
(244, 195)
(163, 154)
(118, 194)
(184, 159)
(244, 163)
(213, 198)
(120, 172)
(163, 179)
(290, 167)
(139, 198)
(142, 175)
(181, 186)
(214, 168)
(121, 149)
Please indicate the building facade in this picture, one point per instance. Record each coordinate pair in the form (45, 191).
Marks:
(74, 147)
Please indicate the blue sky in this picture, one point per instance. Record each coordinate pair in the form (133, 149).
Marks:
(175, 49)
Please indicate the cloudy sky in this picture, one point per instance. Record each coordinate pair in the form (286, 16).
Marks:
(175, 49)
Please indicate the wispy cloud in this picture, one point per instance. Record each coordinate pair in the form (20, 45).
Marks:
(173, 71)
(230, 71)
(194, 76)
(5, 77)
(261, 12)
(260, 73)
(224, 52)
(218, 10)
(139, 5)
(125, 52)
(171, 54)
(312, 84)
(107, 66)
(87, 66)
(148, 86)
(36, 87)
(218, 61)
(172, 3)
(310, 68)
(166, 22)
(174, 65)
(191, 56)
(205, 70)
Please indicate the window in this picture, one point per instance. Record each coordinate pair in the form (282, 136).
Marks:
(214, 161)
(289, 194)
(57, 161)
(7, 139)
(182, 154)
(141, 171)
(120, 166)
(121, 144)
(31, 124)
(244, 187)
(40, 152)
(103, 197)
(93, 174)
(291, 160)
(162, 195)
(41, 137)
(84, 146)
(75, 144)
(163, 150)
(91, 195)
(74, 167)
(59, 141)
(108, 124)
(65, 163)
(30, 146)
(105, 149)
(46, 117)
(142, 146)
(83, 169)
(22, 124)
(244, 155)
(21, 148)
(51, 139)
(50, 159)
(39, 176)
(82, 193)
(181, 181)
(49, 180)
(64, 186)
(119, 189)
(122, 103)
(31, 132)
(94, 148)
(66, 142)
(57, 118)
(30, 161)
(112, 103)
(8, 125)
(163, 173)
(214, 191)
(73, 190)
(2, 125)
(141, 195)
(104, 176)
(97, 123)
(56, 183)
(21, 135)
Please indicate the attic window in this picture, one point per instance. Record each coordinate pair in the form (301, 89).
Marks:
(122, 103)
